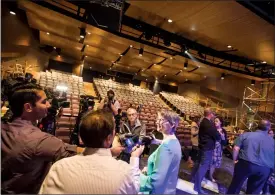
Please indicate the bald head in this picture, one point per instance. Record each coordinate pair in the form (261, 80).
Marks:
(208, 112)
(264, 125)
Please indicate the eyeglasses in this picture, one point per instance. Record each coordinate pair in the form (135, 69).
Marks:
(134, 114)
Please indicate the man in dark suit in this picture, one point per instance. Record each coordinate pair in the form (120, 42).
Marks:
(208, 135)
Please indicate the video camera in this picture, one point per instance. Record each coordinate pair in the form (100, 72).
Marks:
(86, 102)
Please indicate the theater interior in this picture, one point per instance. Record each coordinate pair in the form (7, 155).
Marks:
(182, 56)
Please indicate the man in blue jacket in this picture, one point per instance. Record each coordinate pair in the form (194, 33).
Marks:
(208, 135)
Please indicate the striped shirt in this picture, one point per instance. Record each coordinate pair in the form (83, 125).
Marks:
(93, 172)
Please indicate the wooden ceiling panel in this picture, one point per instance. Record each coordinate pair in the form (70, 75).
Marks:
(211, 23)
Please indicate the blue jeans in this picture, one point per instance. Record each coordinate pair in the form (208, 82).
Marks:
(257, 177)
(200, 168)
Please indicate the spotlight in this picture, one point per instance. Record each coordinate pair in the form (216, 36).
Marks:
(186, 79)
(185, 64)
(229, 46)
(13, 13)
(142, 70)
(148, 35)
(205, 76)
(140, 53)
(167, 42)
(82, 33)
(58, 51)
(184, 49)
(58, 55)
(146, 79)
(252, 82)
(223, 75)
(170, 21)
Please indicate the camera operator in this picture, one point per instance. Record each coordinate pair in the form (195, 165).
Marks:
(110, 103)
(134, 127)
(27, 152)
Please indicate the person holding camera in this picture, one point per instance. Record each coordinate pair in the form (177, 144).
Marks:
(110, 103)
(95, 171)
(27, 152)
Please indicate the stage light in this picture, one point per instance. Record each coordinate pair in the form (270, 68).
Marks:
(58, 55)
(252, 82)
(167, 42)
(170, 21)
(13, 13)
(82, 33)
(140, 53)
(148, 35)
(184, 49)
(185, 65)
(222, 76)
(229, 46)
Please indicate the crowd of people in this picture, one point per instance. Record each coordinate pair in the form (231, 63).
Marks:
(36, 162)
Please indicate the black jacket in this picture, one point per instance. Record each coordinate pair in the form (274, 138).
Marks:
(208, 135)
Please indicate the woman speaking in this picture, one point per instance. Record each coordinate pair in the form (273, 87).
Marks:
(161, 175)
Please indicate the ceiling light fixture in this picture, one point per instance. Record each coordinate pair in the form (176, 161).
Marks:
(87, 45)
(131, 46)
(170, 21)
(54, 47)
(263, 62)
(58, 55)
(186, 79)
(121, 55)
(222, 76)
(252, 82)
(82, 33)
(88, 33)
(86, 56)
(185, 65)
(205, 76)
(171, 58)
(229, 46)
(165, 75)
(90, 67)
(140, 53)
(13, 13)
(48, 33)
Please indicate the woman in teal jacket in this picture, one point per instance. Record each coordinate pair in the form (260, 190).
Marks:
(161, 175)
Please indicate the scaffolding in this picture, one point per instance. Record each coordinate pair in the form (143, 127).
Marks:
(255, 104)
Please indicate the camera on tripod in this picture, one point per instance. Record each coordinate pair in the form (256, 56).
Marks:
(58, 102)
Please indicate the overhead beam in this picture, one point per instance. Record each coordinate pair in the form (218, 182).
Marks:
(178, 39)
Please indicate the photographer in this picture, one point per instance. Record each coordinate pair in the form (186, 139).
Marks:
(27, 152)
(134, 127)
(110, 104)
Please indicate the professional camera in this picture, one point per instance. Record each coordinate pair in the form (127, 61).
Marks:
(86, 103)
(58, 102)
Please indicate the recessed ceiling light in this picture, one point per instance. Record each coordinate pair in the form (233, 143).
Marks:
(13, 13)
(88, 33)
(142, 70)
(186, 79)
(121, 55)
(90, 67)
(165, 75)
(86, 56)
(58, 55)
(205, 76)
(264, 62)
(48, 33)
(87, 45)
(229, 46)
(54, 47)
(146, 79)
(170, 21)
(199, 66)
(82, 36)
(131, 45)
(171, 58)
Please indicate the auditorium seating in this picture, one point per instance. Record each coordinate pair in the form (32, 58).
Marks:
(52, 79)
(182, 104)
(128, 94)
